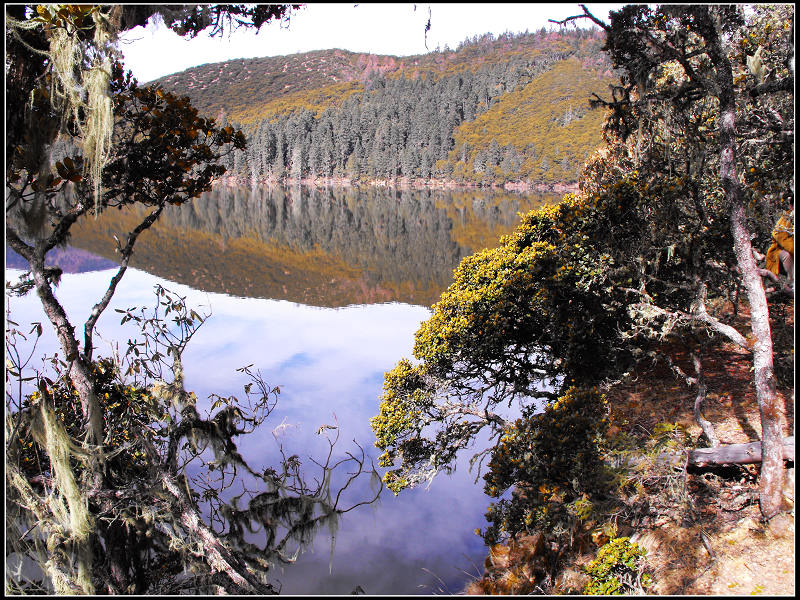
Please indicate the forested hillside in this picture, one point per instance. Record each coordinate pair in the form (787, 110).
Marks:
(499, 110)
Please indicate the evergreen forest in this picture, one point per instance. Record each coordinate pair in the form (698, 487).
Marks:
(509, 109)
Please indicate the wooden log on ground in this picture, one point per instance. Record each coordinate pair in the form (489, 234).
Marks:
(736, 454)
(731, 454)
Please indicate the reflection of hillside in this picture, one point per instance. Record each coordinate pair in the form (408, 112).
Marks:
(321, 247)
(68, 259)
(480, 219)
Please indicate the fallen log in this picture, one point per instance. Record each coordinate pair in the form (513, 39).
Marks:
(736, 454)
(731, 454)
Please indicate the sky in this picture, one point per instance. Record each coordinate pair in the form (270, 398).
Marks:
(390, 29)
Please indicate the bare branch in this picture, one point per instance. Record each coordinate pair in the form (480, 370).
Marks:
(586, 15)
(707, 427)
(212, 548)
(126, 253)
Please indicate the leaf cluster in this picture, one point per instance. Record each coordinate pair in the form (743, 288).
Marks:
(130, 415)
(618, 569)
(164, 151)
(221, 17)
(553, 459)
(668, 100)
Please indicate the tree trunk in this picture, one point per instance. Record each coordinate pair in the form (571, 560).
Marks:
(772, 472)
(79, 370)
(730, 454)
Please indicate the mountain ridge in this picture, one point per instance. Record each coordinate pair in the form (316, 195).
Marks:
(359, 116)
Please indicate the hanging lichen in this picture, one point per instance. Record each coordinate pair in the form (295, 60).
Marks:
(65, 55)
(68, 505)
(99, 123)
(80, 76)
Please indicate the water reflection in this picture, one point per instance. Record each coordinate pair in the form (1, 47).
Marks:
(330, 247)
(329, 364)
(279, 257)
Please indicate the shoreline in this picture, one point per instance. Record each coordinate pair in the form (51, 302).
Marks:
(400, 183)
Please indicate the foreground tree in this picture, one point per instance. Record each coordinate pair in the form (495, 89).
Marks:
(722, 89)
(544, 319)
(100, 496)
(657, 239)
(180, 510)
(76, 121)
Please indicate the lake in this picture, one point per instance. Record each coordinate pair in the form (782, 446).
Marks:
(322, 291)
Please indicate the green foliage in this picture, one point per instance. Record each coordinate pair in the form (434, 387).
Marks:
(618, 569)
(396, 426)
(541, 310)
(163, 153)
(553, 458)
(550, 285)
(672, 137)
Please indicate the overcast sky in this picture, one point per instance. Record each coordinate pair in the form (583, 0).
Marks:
(395, 29)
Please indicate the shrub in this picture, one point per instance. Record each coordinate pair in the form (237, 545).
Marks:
(553, 460)
(618, 569)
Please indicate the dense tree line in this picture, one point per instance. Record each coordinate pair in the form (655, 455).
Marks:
(403, 125)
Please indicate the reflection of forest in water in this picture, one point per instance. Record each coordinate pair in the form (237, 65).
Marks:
(323, 247)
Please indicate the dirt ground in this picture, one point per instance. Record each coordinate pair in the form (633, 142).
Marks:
(715, 542)
(725, 549)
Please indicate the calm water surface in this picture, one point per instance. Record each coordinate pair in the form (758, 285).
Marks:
(322, 291)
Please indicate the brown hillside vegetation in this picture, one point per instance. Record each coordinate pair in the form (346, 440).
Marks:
(550, 116)
(258, 87)
(513, 109)
(712, 542)
(252, 84)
